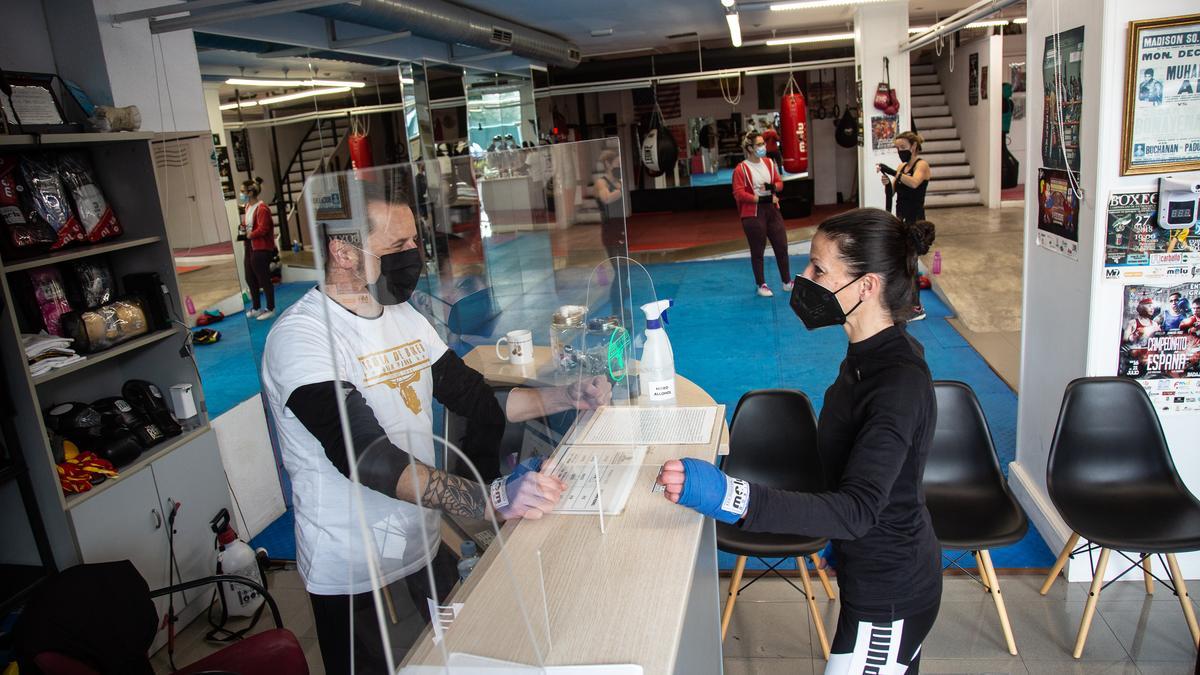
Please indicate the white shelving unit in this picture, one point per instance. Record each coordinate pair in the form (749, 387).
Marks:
(126, 517)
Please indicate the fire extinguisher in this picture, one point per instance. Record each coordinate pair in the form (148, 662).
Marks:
(793, 128)
(360, 146)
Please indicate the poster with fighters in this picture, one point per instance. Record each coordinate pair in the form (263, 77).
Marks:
(1137, 248)
(1062, 96)
(1058, 213)
(1160, 343)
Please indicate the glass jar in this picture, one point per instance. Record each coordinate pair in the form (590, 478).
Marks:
(567, 329)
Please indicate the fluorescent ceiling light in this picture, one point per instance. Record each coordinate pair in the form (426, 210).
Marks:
(303, 94)
(728, 3)
(735, 28)
(817, 4)
(806, 39)
(988, 24)
(255, 82)
(918, 29)
(243, 104)
(1021, 20)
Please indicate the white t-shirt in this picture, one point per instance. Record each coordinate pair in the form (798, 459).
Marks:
(388, 359)
(759, 175)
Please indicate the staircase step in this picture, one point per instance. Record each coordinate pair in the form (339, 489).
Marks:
(930, 89)
(953, 145)
(933, 201)
(944, 158)
(943, 134)
(922, 69)
(930, 111)
(917, 80)
(952, 184)
(949, 171)
(941, 122)
(929, 100)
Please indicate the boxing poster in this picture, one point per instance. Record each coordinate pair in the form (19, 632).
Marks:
(1058, 213)
(883, 131)
(1164, 94)
(1160, 344)
(1137, 248)
(1060, 118)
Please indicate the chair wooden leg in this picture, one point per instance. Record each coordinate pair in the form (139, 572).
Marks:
(994, 582)
(812, 607)
(734, 582)
(816, 559)
(983, 575)
(1146, 568)
(1184, 600)
(1093, 596)
(1058, 564)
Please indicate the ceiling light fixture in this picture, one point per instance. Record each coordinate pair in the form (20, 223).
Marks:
(256, 82)
(807, 39)
(303, 94)
(1021, 20)
(912, 30)
(248, 103)
(987, 24)
(817, 4)
(735, 27)
(728, 3)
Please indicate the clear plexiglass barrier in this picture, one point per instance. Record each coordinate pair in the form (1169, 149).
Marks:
(494, 352)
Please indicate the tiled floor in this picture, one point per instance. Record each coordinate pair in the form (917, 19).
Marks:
(772, 632)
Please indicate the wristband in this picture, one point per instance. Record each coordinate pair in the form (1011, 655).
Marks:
(498, 489)
(709, 491)
(498, 494)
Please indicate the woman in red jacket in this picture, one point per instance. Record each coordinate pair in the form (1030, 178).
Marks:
(260, 235)
(756, 183)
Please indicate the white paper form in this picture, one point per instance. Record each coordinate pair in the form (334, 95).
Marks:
(651, 426)
(619, 466)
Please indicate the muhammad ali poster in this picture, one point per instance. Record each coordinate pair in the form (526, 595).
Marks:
(1160, 343)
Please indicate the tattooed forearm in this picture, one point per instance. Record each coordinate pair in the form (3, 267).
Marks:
(446, 492)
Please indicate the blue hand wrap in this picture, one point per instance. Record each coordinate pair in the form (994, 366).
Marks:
(498, 490)
(709, 491)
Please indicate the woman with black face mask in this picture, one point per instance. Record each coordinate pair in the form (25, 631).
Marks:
(610, 197)
(909, 182)
(874, 434)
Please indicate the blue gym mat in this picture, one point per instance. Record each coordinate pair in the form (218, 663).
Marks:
(728, 341)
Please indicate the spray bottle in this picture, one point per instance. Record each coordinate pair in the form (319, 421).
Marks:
(236, 558)
(656, 371)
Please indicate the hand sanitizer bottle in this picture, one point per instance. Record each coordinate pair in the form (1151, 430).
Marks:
(656, 370)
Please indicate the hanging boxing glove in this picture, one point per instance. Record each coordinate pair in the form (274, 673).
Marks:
(893, 105)
(883, 96)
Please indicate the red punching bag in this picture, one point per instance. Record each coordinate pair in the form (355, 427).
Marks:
(360, 147)
(793, 129)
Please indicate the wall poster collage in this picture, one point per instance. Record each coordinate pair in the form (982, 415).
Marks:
(1058, 213)
(1160, 344)
(1136, 247)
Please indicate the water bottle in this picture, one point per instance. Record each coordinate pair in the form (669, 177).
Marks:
(191, 307)
(295, 246)
(469, 560)
(937, 262)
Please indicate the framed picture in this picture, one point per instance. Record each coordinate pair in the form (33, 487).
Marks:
(240, 140)
(329, 197)
(983, 82)
(33, 106)
(1162, 96)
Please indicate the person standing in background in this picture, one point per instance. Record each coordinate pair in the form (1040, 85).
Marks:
(612, 227)
(756, 182)
(258, 231)
(911, 181)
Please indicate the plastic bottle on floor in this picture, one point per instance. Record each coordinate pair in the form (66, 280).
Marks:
(937, 262)
(468, 561)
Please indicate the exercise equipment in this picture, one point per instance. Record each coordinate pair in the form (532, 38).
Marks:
(793, 128)
(659, 150)
(116, 413)
(105, 327)
(359, 143)
(148, 400)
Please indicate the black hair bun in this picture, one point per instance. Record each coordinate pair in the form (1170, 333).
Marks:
(921, 233)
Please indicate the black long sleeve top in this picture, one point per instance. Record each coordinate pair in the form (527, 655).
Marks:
(874, 434)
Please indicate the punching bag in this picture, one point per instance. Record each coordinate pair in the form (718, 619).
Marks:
(659, 152)
(360, 147)
(793, 131)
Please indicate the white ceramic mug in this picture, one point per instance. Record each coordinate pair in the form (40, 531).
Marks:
(520, 347)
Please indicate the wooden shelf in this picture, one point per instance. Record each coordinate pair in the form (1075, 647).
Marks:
(149, 456)
(29, 140)
(101, 357)
(77, 253)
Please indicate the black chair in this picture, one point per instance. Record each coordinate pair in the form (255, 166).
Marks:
(1111, 477)
(773, 442)
(966, 494)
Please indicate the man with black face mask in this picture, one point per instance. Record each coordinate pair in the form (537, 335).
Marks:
(355, 340)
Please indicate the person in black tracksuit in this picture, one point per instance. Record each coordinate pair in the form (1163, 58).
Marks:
(874, 434)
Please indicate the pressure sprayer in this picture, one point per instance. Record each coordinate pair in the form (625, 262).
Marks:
(656, 371)
(237, 558)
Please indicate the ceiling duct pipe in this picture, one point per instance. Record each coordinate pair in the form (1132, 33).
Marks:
(453, 24)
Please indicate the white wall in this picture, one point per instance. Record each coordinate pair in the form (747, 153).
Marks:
(1014, 52)
(875, 29)
(25, 38)
(979, 126)
(1074, 331)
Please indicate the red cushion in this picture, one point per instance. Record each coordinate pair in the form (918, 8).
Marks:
(274, 652)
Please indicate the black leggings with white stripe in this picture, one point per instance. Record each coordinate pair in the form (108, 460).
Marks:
(878, 646)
